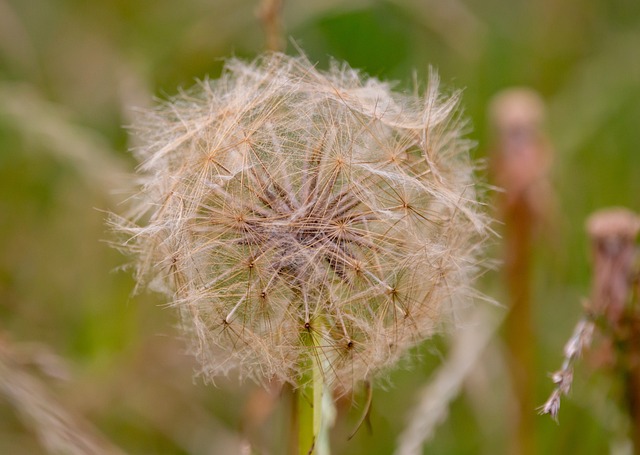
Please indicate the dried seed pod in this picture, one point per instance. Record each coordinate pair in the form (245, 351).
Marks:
(293, 214)
(613, 232)
(521, 151)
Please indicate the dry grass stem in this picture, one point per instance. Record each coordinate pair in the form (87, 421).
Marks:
(580, 341)
(52, 127)
(433, 404)
(58, 429)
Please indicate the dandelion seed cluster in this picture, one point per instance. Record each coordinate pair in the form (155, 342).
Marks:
(297, 216)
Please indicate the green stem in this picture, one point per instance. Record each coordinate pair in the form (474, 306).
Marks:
(305, 424)
(316, 420)
(294, 421)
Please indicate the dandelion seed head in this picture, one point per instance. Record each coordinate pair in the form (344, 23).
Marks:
(280, 202)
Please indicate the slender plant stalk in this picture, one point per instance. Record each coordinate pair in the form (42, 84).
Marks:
(294, 421)
(519, 334)
(307, 410)
(318, 386)
(521, 161)
(305, 424)
(613, 234)
(324, 412)
(316, 420)
(270, 15)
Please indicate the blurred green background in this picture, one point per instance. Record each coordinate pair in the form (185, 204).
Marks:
(70, 73)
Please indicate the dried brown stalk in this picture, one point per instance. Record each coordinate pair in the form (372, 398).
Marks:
(270, 14)
(57, 428)
(613, 233)
(613, 309)
(521, 161)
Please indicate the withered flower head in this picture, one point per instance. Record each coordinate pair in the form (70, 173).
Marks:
(292, 214)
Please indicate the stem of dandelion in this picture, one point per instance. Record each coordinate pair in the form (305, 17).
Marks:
(315, 422)
(305, 424)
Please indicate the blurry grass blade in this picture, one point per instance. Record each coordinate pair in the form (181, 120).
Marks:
(15, 44)
(59, 431)
(595, 92)
(52, 127)
(453, 21)
(434, 399)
